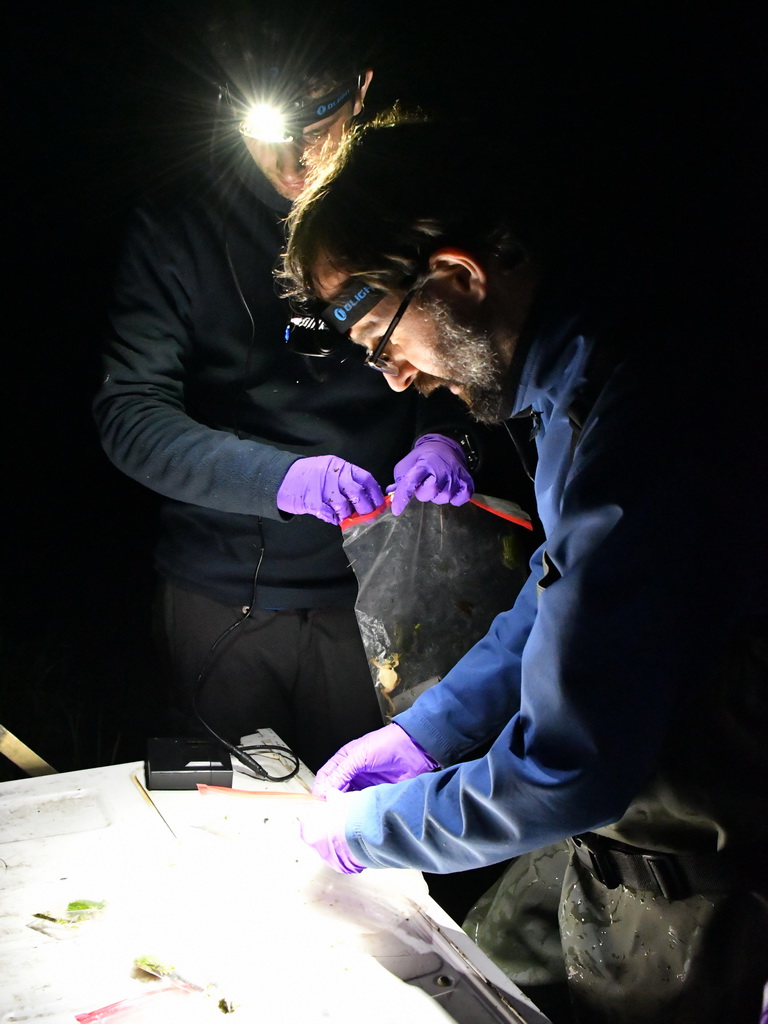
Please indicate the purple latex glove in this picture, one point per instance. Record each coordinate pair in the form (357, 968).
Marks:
(434, 470)
(386, 755)
(329, 488)
(321, 826)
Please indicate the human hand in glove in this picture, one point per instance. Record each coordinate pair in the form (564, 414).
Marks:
(329, 488)
(321, 826)
(385, 755)
(434, 470)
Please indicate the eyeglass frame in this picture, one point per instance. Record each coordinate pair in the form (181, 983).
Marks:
(374, 356)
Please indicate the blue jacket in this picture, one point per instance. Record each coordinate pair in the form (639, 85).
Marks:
(584, 688)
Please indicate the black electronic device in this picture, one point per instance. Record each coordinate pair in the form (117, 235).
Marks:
(175, 762)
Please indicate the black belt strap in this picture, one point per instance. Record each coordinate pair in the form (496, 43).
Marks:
(673, 876)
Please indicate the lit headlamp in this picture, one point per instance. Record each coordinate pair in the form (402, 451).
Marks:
(273, 121)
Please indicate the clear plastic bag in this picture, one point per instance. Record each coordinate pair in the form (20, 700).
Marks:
(430, 582)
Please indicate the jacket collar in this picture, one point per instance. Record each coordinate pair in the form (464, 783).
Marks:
(556, 318)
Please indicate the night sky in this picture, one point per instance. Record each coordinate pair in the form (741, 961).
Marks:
(652, 121)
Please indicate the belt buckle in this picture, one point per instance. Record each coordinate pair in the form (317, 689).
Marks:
(600, 862)
(670, 879)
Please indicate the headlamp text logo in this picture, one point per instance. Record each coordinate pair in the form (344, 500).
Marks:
(341, 311)
(328, 108)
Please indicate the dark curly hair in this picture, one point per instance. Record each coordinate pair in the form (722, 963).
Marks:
(397, 189)
(258, 45)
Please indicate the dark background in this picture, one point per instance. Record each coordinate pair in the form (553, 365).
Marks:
(646, 125)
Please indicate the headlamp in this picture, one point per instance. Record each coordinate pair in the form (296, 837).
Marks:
(275, 121)
(310, 334)
(265, 123)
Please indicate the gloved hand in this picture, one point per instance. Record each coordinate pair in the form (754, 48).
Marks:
(329, 488)
(385, 755)
(321, 826)
(434, 470)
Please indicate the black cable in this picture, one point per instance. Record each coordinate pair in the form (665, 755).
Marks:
(241, 753)
(251, 342)
(524, 423)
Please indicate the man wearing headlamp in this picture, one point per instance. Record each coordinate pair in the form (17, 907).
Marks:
(286, 137)
(258, 448)
(608, 734)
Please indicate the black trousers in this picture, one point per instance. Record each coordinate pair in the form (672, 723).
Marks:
(303, 673)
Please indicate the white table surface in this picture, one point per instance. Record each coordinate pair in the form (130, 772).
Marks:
(221, 888)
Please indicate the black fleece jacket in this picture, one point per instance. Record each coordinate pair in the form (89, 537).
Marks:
(203, 402)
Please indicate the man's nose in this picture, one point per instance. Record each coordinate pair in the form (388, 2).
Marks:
(290, 160)
(405, 376)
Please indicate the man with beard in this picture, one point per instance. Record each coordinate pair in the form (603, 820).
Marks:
(608, 732)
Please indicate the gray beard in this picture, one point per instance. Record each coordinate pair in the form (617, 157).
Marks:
(468, 357)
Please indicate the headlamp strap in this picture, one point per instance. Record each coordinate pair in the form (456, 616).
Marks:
(354, 301)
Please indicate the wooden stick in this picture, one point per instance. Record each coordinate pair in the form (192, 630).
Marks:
(22, 756)
(204, 788)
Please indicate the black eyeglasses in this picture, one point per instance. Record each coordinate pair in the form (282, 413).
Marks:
(376, 358)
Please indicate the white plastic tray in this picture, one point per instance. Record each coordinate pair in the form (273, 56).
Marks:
(222, 889)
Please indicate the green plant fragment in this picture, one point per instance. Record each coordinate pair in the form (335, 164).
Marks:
(85, 906)
(152, 965)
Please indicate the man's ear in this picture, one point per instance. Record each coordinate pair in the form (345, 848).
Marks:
(457, 277)
(365, 81)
